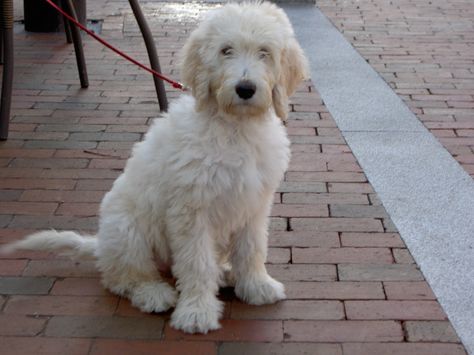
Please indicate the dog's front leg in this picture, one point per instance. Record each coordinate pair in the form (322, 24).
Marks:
(194, 265)
(249, 253)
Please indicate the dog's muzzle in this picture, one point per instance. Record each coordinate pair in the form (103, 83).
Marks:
(245, 89)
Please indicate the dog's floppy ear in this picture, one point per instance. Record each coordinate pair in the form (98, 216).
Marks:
(193, 72)
(294, 69)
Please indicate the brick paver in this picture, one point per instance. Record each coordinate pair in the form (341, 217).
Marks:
(351, 284)
(425, 52)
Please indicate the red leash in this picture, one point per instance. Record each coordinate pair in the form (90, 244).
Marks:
(175, 84)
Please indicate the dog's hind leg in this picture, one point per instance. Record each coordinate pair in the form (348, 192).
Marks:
(129, 269)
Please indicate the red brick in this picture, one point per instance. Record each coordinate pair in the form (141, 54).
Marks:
(337, 224)
(325, 198)
(111, 119)
(28, 208)
(4, 162)
(79, 287)
(332, 177)
(115, 145)
(304, 239)
(142, 347)
(93, 154)
(56, 184)
(234, 330)
(350, 187)
(285, 210)
(310, 272)
(62, 196)
(106, 327)
(61, 268)
(126, 309)
(279, 255)
(402, 349)
(280, 349)
(308, 165)
(278, 224)
(430, 331)
(341, 255)
(107, 164)
(371, 240)
(53, 221)
(415, 290)
(26, 153)
(357, 211)
(401, 310)
(78, 209)
(343, 331)
(72, 173)
(49, 163)
(12, 267)
(94, 185)
(41, 345)
(341, 166)
(379, 272)
(339, 290)
(20, 325)
(301, 131)
(128, 128)
(335, 149)
(59, 136)
(305, 148)
(402, 256)
(289, 309)
(10, 235)
(61, 305)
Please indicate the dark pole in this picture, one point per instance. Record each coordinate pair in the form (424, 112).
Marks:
(77, 40)
(152, 54)
(6, 11)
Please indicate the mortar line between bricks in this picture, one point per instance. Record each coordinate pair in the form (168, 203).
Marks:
(410, 170)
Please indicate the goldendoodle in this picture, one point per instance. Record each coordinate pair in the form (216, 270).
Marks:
(197, 192)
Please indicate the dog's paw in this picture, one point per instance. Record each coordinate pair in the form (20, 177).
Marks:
(260, 290)
(198, 316)
(155, 296)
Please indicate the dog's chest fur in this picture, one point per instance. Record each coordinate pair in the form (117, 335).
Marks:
(189, 164)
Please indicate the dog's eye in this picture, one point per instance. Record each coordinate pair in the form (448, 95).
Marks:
(227, 51)
(263, 53)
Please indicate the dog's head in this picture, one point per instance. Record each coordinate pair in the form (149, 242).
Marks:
(243, 59)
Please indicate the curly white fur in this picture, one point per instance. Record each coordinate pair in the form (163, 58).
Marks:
(197, 192)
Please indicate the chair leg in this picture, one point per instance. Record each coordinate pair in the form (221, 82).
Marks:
(67, 30)
(77, 40)
(152, 54)
(7, 80)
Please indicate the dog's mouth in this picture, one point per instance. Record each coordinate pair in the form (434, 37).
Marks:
(238, 101)
(239, 107)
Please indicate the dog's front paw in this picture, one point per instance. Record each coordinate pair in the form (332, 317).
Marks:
(197, 316)
(155, 296)
(260, 290)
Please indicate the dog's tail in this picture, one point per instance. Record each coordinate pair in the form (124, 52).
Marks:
(73, 244)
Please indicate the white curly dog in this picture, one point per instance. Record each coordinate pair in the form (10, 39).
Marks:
(197, 192)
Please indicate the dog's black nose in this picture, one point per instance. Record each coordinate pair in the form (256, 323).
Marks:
(245, 89)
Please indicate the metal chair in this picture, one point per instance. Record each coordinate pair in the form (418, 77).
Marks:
(73, 35)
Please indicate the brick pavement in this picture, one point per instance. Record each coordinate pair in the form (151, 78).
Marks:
(425, 52)
(352, 285)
